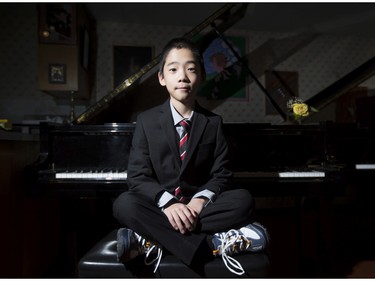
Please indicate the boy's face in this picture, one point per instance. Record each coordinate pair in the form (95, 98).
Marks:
(182, 75)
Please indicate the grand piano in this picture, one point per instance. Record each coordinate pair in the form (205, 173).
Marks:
(89, 156)
(87, 159)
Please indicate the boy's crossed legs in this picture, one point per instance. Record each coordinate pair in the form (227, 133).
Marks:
(135, 212)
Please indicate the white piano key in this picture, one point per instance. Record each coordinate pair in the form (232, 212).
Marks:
(296, 174)
(365, 166)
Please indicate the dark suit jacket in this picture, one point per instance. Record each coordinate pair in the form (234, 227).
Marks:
(154, 163)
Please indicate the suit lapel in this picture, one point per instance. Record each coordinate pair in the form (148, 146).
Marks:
(166, 123)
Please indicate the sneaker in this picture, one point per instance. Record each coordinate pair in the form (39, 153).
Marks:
(257, 234)
(251, 238)
(131, 245)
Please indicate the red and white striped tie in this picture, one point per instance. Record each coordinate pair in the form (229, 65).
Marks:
(185, 124)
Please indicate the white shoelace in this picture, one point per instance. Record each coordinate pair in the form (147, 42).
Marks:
(148, 249)
(233, 242)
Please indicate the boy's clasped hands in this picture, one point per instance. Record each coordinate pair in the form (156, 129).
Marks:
(184, 217)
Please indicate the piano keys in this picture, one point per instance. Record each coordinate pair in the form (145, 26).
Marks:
(303, 174)
(354, 144)
(92, 159)
(86, 160)
(296, 182)
(283, 160)
(99, 175)
(293, 174)
(365, 166)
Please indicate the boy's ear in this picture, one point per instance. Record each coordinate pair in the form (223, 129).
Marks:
(161, 79)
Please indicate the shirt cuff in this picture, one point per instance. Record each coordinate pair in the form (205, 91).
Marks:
(207, 194)
(164, 199)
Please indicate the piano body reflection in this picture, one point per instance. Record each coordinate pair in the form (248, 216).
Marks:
(269, 160)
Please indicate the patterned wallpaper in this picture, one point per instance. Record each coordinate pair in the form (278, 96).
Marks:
(320, 63)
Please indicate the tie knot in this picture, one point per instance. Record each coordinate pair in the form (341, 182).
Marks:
(185, 123)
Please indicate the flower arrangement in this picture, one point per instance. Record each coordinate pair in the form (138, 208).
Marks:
(299, 109)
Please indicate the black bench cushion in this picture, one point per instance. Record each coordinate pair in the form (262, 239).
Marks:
(101, 262)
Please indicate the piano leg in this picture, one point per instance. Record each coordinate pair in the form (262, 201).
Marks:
(316, 234)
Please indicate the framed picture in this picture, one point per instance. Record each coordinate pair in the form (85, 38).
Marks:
(127, 60)
(57, 23)
(57, 73)
(226, 76)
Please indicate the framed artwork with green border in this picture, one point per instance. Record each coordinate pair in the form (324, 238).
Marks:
(226, 76)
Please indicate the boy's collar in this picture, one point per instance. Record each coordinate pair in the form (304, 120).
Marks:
(177, 117)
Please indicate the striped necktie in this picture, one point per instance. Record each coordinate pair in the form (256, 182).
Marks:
(185, 124)
(178, 194)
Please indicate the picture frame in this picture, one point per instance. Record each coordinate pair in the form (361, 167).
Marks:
(226, 76)
(127, 60)
(57, 23)
(57, 73)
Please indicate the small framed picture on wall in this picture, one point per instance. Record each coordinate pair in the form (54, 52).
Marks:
(57, 23)
(57, 73)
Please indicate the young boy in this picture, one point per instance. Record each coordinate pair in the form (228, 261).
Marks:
(179, 197)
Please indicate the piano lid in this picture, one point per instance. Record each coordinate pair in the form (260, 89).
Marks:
(133, 96)
(343, 85)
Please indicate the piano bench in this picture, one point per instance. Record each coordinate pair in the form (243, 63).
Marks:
(101, 262)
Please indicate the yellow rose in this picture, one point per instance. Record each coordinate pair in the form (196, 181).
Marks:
(300, 109)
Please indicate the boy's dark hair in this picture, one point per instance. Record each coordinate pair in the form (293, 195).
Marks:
(182, 43)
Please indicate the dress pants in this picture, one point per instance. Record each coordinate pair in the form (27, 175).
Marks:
(230, 210)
